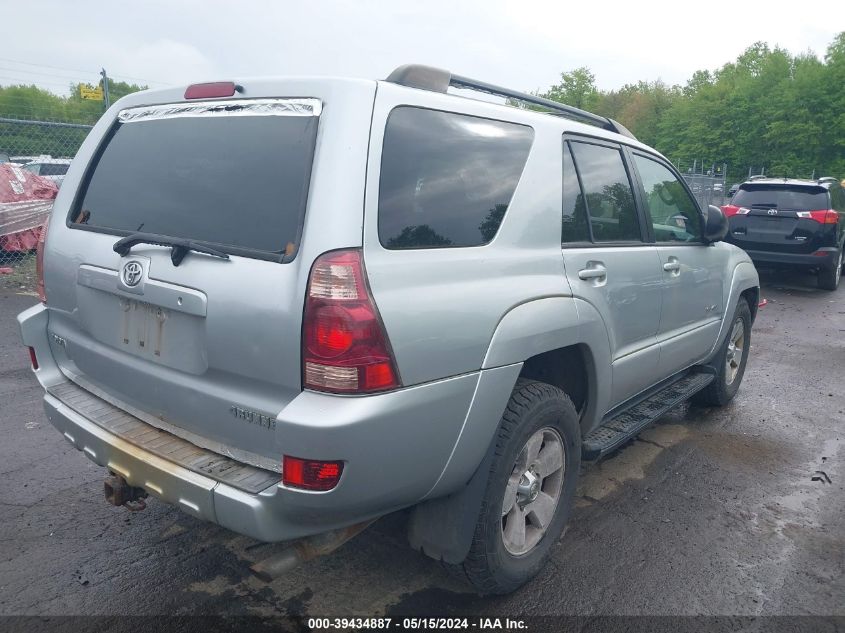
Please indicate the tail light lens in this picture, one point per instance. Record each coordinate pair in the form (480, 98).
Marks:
(39, 261)
(730, 210)
(824, 216)
(33, 358)
(310, 474)
(344, 346)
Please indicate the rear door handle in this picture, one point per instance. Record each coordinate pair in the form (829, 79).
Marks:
(594, 270)
(673, 265)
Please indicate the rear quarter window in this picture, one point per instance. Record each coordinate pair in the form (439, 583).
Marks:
(447, 179)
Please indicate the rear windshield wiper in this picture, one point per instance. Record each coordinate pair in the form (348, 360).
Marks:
(180, 246)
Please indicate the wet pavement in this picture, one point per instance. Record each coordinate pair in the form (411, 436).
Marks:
(709, 512)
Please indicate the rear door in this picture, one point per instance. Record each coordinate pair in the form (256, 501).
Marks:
(210, 348)
(693, 272)
(765, 217)
(608, 261)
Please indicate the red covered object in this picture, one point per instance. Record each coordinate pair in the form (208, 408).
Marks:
(26, 201)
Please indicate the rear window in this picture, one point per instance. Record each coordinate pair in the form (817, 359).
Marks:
(232, 174)
(785, 197)
(447, 179)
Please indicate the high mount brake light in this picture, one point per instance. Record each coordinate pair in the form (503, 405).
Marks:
(344, 345)
(210, 90)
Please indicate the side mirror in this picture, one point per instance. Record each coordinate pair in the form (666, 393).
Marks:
(715, 225)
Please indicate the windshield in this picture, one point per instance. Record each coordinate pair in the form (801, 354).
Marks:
(794, 198)
(235, 176)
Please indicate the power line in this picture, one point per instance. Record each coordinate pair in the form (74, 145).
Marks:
(32, 72)
(76, 70)
(24, 82)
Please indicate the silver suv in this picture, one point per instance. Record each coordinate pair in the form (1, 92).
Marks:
(291, 306)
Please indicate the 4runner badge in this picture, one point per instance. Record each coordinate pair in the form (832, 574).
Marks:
(132, 272)
(253, 417)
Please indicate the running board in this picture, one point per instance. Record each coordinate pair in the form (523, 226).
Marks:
(626, 425)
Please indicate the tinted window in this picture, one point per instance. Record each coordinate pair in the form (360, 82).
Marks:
(610, 202)
(239, 182)
(785, 197)
(447, 179)
(53, 169)
(673, 213)
(575, 227)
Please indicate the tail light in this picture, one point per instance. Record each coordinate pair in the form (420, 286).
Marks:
(730, 210)
(33, 358)
(39, 261)
(310, 474)
(824, 216)
(344, 346)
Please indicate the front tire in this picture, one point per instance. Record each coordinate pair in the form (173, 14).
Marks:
(529, 490)
(730, 361)
(829, 277)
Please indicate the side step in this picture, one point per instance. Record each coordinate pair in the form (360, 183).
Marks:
(626, 425)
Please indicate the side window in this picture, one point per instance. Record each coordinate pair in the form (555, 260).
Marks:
(447, 179)
(607, 190)
(575, 228)
(673, 213)
(53, 169)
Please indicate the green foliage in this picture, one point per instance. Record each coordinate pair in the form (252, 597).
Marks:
(34, 104)
(768, 108)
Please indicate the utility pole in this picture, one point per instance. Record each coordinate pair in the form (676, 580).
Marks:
(105, 86)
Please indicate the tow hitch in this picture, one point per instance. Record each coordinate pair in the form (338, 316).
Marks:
(120, 493)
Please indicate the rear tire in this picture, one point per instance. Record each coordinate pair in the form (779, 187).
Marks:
(829, 277)
(730, 360)
(529, 491)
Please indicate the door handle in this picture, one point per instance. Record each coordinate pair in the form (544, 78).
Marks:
(672, 266)
(594, 271)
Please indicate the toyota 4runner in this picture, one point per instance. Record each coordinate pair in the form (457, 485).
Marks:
(291, 306)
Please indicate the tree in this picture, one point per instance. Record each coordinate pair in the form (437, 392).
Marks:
(576, 88)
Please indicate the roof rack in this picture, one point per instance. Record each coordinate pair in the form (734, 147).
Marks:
(439, 80)
(827, 179)
(760, 177)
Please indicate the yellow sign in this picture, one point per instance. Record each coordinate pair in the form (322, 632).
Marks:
(94, 94)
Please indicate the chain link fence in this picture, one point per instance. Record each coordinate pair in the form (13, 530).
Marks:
(708, 182)
(34, 157)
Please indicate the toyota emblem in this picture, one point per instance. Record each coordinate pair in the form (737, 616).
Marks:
(132, 272)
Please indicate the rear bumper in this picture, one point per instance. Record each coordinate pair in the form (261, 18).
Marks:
(823, 257)
(397, 447)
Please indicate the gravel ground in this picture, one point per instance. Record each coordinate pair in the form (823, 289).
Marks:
(710, 512)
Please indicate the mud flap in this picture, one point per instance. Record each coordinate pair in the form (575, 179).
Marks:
(443, 528)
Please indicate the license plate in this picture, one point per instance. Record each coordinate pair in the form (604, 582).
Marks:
(143, 326)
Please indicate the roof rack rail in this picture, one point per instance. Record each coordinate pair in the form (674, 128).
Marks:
(439, 80)
(759, 177)
(827, 179)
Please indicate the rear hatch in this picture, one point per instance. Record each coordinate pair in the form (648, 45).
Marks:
(207, 347)
(767, 217)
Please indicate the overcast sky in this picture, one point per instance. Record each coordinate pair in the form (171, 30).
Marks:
(524, 45)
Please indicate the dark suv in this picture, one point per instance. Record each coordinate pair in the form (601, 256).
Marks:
(791, 222)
